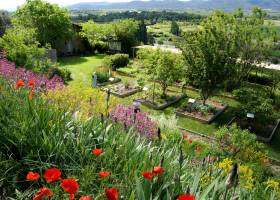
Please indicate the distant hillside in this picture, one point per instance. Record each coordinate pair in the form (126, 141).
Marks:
(180, 5)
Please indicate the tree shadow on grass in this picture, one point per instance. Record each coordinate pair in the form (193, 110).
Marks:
(75, 60)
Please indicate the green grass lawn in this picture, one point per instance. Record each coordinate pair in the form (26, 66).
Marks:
(83, 67)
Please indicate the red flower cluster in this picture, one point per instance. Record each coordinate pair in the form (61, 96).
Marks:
(97, 152)
(32, 176)
(71, 186)
(186, 197)
(31, 83)
(111, 193)
(157, 171)
(104, 174)
(43, 192)
(52, 174)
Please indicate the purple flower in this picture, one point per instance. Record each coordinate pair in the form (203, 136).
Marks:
(140, 121)
(9, 71)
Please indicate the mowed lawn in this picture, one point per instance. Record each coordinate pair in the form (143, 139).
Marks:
(81, 69)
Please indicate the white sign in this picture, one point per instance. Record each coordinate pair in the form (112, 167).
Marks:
(191, 101)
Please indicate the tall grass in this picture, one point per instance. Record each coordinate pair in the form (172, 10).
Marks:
(35, 136)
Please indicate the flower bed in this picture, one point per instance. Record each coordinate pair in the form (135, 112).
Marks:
(138, 120)
(161, 105)
(264, 133)
(203, 113)
(9, 71)
(123, 90)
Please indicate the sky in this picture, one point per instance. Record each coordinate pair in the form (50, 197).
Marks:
(13, 4)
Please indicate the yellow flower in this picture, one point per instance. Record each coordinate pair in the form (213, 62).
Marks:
(272, 184)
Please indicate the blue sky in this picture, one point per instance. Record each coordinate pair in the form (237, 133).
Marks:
(13, 4)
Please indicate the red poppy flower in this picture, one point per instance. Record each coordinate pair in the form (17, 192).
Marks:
(97, 152)
(186, 197)
(185, 136)
(52, 174)
(111, 193)
(43, 192)
(31, 94)
(19, 83)
(31, 83)
(190, 141)
(104, 174)
(148, 175)
(158, 170)
(70, 185)
(85, 198)
(32, 176)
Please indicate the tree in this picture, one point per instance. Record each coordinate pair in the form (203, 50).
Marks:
(22, 47)
(51, 22)
(254, 41)
(125, 31)
(161, 66)
(5, 21)
(175, 30)
(209, 54)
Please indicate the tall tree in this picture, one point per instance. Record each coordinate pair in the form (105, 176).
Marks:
(51, 22)
(175, 29)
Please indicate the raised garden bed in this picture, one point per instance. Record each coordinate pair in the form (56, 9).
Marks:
(263, 133)
(204, 117)
(160, 106)
(116, 80)
(121, 91)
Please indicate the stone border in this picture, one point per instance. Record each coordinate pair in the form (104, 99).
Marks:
(125, 94)
(161, 106)
(263, 139)
(117, 80)
(217, 114)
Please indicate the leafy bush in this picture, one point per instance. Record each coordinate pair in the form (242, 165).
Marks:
(65, 74)
(116, 61)
(240, 144)
(257, 102)
(23, 49)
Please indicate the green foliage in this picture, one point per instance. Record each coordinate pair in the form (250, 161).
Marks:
(225, 49)
(22, 47)
(65, 74)
(124, 31)
(175, 29)
(116, 61)
(35, 135)
(240, 144)
(257, 102)
(161, 66)
(52, 23)
(5, 21)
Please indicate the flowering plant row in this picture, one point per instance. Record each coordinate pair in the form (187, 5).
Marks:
(9, 71)
(129, 117)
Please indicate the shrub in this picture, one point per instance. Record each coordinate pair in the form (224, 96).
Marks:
(116, 61)
(65, 74)
(86, 102)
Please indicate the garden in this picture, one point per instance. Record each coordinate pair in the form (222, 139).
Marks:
(194, 125)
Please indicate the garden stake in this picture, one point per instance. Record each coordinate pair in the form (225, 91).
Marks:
(159, 134)
(232, 180)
